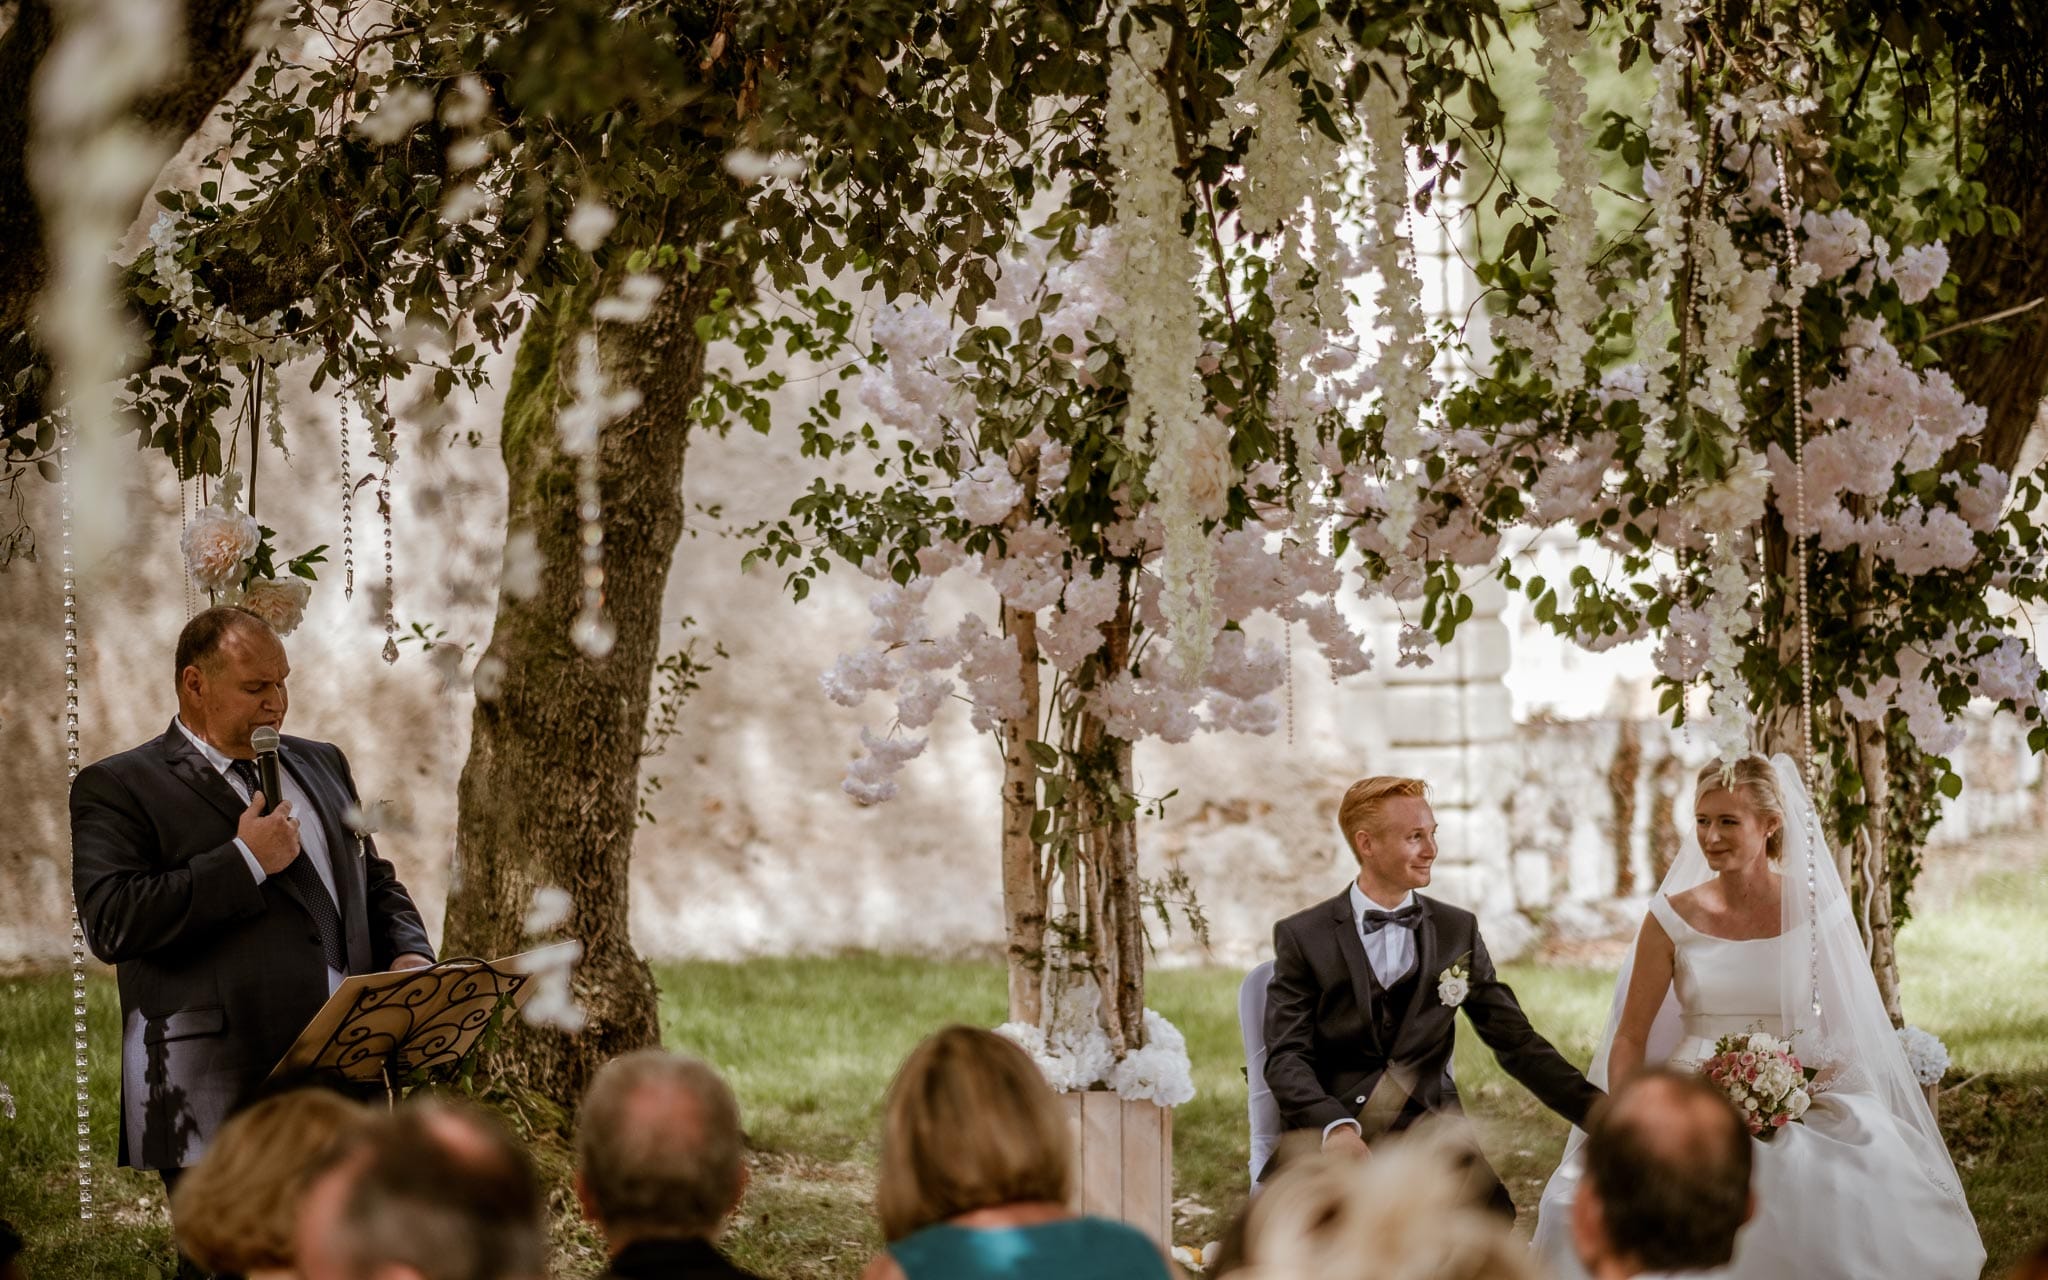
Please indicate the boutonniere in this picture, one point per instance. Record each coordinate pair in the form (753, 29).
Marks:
(1455, 983)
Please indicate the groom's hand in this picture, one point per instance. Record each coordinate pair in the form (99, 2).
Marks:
(1345, 1139)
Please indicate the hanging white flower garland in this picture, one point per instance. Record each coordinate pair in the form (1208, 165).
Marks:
(1159, 329)
(1403, 370)
(1668, 181)
(1575, 302)
(1290, 168)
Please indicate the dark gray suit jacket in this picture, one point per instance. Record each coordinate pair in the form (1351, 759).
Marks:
(1324, 1056)
(218, 974)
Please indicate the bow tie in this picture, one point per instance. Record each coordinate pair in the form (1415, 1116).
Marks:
(1374, 921)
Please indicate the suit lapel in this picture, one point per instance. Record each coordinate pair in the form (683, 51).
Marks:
(331, 801)
(1426, 950)
(1353, 951)
(191, 768)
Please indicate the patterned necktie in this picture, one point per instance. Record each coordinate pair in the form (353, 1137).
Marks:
(1374, 921)
(302, 877)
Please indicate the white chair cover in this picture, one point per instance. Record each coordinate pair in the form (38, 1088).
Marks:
(1264, 1113)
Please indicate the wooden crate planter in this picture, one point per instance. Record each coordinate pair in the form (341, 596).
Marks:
(1123, 1161)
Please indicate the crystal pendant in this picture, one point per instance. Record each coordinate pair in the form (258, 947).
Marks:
(390, 649)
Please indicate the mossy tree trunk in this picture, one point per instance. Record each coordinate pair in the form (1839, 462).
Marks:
(549, 795)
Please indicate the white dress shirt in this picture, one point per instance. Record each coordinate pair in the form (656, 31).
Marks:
(312, 834)
(1390, 951)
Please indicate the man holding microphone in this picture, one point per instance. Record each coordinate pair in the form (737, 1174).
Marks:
(230, 915)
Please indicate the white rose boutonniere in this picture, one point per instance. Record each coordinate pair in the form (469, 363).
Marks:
(1454, 983)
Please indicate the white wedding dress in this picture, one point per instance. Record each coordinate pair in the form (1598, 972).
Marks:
(1840, 1196)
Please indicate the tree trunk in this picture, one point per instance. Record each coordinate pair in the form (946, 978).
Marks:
(1871, 889)
(1023, 889)
(1622, 773)
(549, 793)
(2005, 371)
(1126, 940)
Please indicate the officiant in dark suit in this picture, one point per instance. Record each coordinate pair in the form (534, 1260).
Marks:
(1361, 1016)
(228, 927)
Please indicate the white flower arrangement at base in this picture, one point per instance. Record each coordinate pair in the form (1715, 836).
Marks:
(1925, 1053)
(1072, 1050)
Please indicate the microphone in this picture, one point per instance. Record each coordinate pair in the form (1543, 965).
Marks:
(264, 740)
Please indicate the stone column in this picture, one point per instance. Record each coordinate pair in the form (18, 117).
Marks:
(1452, 724)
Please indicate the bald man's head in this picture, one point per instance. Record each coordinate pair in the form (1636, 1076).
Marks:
(1667, 1175)
(658, 1148)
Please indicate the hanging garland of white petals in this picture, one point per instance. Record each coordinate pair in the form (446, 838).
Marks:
(1575, 301)
(1159, 328)
(1668, 182)
(1403, 370)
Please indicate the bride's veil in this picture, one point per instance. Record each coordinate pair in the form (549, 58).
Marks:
(1827, 995)
(1827, 998)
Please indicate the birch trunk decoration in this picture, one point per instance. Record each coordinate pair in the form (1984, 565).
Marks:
(1024, 887)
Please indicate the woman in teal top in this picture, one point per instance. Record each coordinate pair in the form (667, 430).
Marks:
(975, 1174)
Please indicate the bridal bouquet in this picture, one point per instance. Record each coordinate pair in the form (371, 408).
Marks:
(1763, 1078)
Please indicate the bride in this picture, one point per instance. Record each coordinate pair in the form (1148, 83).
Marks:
(1752, 930)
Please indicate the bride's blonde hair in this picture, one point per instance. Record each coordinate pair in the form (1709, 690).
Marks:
(1755, 780)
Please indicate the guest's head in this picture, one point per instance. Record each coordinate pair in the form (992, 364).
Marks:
(434, 1191)
(234, 1211)
(1666, 1185)
(10, 1251)
(1389, 827)
(658, 1149)
(2032, 1267)
(1408, 1211)
(231, 677)
(1739, 813)
(969, 1124)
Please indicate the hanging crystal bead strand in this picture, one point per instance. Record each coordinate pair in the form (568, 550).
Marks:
(1801, 553)
(390, 599)
(348, 511)
(81, 1077)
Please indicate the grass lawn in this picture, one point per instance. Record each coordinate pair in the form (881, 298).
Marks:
(810, 1044)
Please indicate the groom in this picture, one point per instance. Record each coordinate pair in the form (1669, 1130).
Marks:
(1362, 1011)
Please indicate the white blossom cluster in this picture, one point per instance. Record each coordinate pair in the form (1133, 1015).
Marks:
(1925, 1053)
(918, 390)
(217, 540)
(1256, 571)
(1889, 419)
(1159, 329)
(2005, 671)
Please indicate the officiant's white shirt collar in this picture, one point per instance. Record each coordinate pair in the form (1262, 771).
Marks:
(219, 759)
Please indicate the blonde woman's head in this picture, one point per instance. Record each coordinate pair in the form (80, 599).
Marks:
(234, 1211)
(1739, 812)
(1410, 1212)
(969, 1124)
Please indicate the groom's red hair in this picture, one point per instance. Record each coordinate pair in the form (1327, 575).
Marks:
(1365, 798)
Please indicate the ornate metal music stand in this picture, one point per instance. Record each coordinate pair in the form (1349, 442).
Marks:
(409, 1027)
